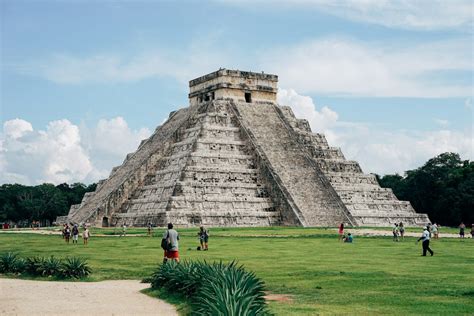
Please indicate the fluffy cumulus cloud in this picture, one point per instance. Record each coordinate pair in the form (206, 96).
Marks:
(304, 107)
(379, 150)
(63, 152)
(348, 67)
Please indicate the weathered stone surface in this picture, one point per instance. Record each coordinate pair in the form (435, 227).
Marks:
(236, 158)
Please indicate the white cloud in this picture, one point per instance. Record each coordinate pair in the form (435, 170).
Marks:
(348, 67)
(403, 14)
(376, 149)
(16, 128)
(304, 107)
(61, 153)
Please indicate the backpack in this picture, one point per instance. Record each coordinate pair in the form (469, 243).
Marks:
(165, 245)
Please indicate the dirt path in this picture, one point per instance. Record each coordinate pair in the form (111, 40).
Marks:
(26, 297)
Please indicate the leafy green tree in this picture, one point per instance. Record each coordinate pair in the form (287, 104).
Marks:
(443, 188)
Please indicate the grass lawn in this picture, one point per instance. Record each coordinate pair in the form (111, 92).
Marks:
(372, 276)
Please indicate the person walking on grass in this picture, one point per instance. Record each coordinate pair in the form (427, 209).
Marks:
(425, 237)
(462, 227)
(149, 229)
(434, 230)
(203, 238)
(341, 231)
(75, 234)
(401, 228)
(395, 232)
(171, 238)
(124, 230)
(85, 236)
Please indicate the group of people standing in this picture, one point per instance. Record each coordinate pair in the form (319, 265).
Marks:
(73, 231)
(398, 231)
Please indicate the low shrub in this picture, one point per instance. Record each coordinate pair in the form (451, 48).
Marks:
(213, 289)
(33, 265)
(230, 290)
(72, 267)
(75, 268)
(50, 267)
(8, 262)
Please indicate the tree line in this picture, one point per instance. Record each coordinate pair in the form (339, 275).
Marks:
(443, 188)
(44, 202)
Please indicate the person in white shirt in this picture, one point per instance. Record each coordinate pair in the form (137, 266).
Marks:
(425, 237)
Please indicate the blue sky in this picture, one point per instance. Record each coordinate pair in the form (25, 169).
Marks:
(82, 82)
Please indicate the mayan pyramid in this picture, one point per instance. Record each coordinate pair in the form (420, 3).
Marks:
(235, 157)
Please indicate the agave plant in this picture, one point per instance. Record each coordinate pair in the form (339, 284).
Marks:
(20, 265)
(230, 290)
(33, 265)
(50, 267)
(75, 268)
(214, 289)
(8, 262)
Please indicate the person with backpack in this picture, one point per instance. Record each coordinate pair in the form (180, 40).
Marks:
(203, 238)
(170, 245)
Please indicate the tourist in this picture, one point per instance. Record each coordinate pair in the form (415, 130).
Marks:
(67, 233)
(341, 231)
(402, 230)
(124, 230)
(349, 238)
(149, 229)
(171, 237)
(203, 238)
(461, 230)
(425, 237)
(434, 230)
(85, 235)
(75, 234)
(395, 232)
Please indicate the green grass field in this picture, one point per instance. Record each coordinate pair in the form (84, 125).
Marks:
(323, 276)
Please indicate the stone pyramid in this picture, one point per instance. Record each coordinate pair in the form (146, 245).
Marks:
(235, 157)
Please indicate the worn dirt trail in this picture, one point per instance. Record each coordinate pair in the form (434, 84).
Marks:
(27, 297)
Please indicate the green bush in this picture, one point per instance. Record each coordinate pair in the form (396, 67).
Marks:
(20, 265)
(230, 290)
(33, 265)
(8, 262)
(39, 266)
(50, 267)
(75, 268)
(213, 289)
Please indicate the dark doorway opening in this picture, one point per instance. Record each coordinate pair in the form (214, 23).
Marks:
(105, 222)
(248, 97)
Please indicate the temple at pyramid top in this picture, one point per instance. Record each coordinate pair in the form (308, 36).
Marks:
(241, 86)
